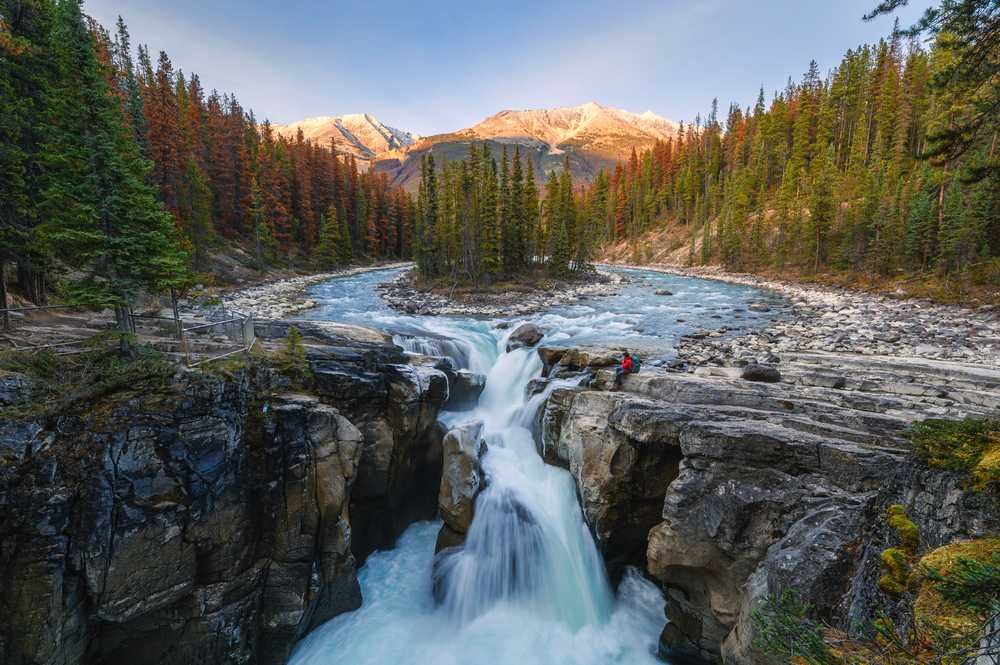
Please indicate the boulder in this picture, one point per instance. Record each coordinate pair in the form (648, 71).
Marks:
(14, 388)
(400, 465)
(465, 389)
(204, 505)
(562, 361)
(622, 459)
(762, 373)
(216, 519)
(751, 488)
(525, 335)
(461, 481)
(663, 292)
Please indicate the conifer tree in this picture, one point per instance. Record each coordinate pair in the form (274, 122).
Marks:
(100, 217)
(489, 246)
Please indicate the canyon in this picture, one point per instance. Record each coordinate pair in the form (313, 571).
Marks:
(233, 513)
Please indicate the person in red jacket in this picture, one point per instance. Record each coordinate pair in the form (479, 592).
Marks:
(624, 368)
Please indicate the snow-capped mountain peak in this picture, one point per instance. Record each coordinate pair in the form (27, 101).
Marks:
(589, 126)
(360, 134)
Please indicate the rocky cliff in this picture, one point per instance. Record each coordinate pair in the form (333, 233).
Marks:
(216, 520)
(729, 491)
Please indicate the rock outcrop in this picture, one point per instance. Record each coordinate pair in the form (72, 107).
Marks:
(751, 488)
(622, 462)
(217, 520)
(462, 479)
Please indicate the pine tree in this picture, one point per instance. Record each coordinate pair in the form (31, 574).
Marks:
(26, 77)
(533, 237)
(330, 250)
(196, 211)
(100, 216)
(822, 207)
(489, 232)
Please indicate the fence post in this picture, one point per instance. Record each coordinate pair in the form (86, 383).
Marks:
(3, 296)
(177, 316)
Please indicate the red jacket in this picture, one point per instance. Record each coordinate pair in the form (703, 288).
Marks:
(627, 363)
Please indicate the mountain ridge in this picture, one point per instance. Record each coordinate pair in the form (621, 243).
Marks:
(592, 136)
(360, 134)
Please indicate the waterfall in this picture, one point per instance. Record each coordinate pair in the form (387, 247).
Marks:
(528, 587)
(528, 544)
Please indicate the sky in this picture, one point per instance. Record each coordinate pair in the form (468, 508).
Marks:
(439, 66)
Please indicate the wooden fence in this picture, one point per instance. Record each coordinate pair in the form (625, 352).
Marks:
(194, 343)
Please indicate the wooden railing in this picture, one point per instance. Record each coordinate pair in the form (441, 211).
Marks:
(236, 327)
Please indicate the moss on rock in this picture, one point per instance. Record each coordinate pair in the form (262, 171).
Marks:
(969, 446)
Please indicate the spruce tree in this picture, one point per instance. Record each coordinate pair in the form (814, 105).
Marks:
(489, 236)
(329, 250)
(100, 217)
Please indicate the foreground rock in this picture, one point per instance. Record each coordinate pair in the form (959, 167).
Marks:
(218, 520)
(749, 488)
(462, 479)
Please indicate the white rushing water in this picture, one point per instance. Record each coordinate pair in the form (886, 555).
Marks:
(527, 588)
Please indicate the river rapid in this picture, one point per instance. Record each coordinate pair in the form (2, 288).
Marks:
(528, 586)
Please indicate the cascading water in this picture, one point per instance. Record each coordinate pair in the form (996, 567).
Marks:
(527, 587)
(528, 544)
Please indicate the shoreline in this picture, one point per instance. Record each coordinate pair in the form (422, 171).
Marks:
(847, 321)
(820, 318)
(278, 298)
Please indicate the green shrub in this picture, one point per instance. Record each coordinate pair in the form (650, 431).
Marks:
(897, 562)
(966, 574)
(292, 359)
(896, 579)
(959, 592)
(785, 631)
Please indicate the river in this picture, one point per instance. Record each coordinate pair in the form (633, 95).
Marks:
(529, 586)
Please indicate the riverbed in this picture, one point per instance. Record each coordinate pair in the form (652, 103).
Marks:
(528, 585)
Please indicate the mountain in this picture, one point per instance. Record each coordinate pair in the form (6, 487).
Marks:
(359, 134)
(592, 136)
(590, 128)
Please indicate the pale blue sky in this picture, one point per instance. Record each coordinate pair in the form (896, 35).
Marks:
(439, 66)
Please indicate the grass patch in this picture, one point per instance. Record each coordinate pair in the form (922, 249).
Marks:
(66, 384)
(970, 446)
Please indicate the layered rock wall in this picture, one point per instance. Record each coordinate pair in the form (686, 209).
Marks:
(738, 490)
(218, 520)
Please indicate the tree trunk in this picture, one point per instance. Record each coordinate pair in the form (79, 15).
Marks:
(31, 282)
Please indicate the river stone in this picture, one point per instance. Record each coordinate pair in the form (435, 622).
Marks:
(525, 335)
(663, 292)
